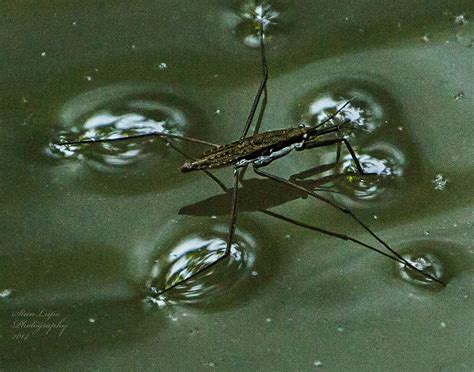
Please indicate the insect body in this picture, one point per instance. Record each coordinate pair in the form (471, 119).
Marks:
(260, 149)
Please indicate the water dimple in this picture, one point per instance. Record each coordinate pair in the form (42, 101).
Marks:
(194, 252)
(132, 115)
(380, 172)
(252, 17)
(383, 165)
(428, 262)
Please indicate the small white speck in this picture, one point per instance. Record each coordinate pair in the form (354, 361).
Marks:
(460, 19)
(74, 23)
(317, 363)
(400, 129)
(24, 100)
(426, 232)
(340, 329)
(375, 217)
(91, 320)
(217, 112)
(346, 19)
(6, 292)
(213, 217)
(287, 236)
(162, 66)
(254, 273)
(43, 54)
(425, 38)
(133, 46)
(268, 320)
(211, 364)
(459, 96)
(443, 324)
(88, 78)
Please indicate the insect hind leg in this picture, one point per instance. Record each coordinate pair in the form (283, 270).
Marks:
(397, 257)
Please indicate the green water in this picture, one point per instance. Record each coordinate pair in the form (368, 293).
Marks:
(79, 242)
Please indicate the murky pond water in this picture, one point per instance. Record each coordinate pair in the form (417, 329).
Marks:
(91, 233)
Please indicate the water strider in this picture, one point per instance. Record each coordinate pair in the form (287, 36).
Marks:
(260, 149)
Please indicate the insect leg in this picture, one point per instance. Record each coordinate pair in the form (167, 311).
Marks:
(317, 143)
(338, 153)
(331, 233)
(352, 215)
(230, 237)
(261, 89)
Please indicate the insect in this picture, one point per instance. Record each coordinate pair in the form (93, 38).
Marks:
(257, 151)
